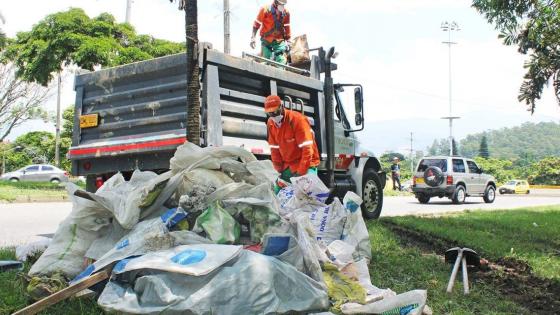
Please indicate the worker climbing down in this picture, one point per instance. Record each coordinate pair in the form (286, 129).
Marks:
(274, 23)
(293, 148)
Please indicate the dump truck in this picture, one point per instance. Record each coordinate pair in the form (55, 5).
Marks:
(134, 117)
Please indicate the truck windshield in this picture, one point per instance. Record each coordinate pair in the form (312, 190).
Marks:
(424, 164)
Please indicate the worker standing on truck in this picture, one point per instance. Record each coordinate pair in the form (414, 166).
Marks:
(274, 23)
(293, 148)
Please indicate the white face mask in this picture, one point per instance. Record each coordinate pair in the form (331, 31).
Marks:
(281, 7)
(277, 119)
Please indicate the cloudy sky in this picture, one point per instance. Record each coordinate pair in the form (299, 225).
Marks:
(393, 47)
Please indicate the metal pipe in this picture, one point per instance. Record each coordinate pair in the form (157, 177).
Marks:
(329, 115)
(274, 63)
(290, 102)
(300, 102)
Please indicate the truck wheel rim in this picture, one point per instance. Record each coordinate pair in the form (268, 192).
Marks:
(370, 194)
(491, 194)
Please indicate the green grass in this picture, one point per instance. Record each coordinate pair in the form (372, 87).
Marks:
(530, 235)
(31, 191)
(13, 295)
(404, 269)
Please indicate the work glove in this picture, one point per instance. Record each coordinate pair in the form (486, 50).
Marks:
(253, 43)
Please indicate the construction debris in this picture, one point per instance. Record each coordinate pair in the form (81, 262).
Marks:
(208, 234)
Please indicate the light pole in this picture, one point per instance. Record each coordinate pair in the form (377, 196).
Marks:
(16, 148)
(450, 27)
(128, 9)
(227, 34)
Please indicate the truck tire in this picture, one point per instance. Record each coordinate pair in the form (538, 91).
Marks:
(459, 195)
(372, 194)
(489, 194)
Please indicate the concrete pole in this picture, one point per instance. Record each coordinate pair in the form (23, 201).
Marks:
(128, 9)
(227, 34)
(411, 155)
(450, 100)
(57, 140)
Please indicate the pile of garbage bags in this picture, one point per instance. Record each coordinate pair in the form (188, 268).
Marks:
(210, 237)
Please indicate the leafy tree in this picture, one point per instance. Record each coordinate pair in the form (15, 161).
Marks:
(534, 26)
(38, 147)
(546, 171)
(19, 101)
(483, 151)
(502, 170)
(71, 37)
(388, 156)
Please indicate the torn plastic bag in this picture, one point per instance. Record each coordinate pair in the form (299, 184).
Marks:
(201, 178)
(249, 284)
(355, 231)
(218, 225)
(147, 236)
(306, 239)
(105, 243)
(374, 293)
(340, 253)
(328, 221)
(263, 172)
(409, 303)
(257, 205)
(190, 156)
(23, 252)
(66, 252)
(341, 288)
(310, 188)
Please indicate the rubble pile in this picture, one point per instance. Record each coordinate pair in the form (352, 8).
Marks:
(211, 237)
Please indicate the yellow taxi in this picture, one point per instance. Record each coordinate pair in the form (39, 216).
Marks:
(515, 187)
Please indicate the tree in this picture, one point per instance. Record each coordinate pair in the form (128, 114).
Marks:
(483, 151)
(38, 147)
(71, 37)
(534, 26)
(193, 84)
(546, 171)
(502, 170)
(19, 101)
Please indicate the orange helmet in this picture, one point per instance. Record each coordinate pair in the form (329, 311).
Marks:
(272, 103)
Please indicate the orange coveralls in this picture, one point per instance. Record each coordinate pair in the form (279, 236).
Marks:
(293, 144)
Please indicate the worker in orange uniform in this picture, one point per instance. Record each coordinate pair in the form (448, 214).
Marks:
(274, 23)
(292, 144)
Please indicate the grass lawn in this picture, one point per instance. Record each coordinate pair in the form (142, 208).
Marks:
(407, 268)
(30, 191)
(528, 235)
(13, 296)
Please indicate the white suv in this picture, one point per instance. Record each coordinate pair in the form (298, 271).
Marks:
(453, 177)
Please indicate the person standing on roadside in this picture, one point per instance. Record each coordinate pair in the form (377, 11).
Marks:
(396, 174)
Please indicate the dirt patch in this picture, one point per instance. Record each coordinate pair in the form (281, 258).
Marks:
(512, 277)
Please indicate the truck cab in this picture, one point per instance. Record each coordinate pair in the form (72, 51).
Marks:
(134, 117)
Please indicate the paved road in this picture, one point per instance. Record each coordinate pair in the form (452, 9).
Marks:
(23, 222)
(398, 206)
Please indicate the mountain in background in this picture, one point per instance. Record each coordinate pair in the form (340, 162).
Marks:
(529, 141)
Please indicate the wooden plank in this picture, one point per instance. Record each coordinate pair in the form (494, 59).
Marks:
(63, 294)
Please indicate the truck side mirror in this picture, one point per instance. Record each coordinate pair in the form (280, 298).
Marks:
(359, 105)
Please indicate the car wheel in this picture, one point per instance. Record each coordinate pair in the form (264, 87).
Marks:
(490, 194)
(55, 181)
(423, 198)
(372, 194)
(459, 195)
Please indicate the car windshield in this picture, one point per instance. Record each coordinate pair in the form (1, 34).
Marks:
(511, 182)
(424, 164)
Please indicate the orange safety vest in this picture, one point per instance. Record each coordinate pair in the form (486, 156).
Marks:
(274, 25)
(293, 144)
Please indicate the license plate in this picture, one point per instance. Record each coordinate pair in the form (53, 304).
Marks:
(420, 180)
(89, 121)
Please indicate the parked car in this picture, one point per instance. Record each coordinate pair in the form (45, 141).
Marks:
(453, 177)
(37, 173)
(515, 186)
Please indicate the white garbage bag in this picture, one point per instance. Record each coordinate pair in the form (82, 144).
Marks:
(190, 156)
(37, 247)
(409, 303)
(355, 230)
(249, 284)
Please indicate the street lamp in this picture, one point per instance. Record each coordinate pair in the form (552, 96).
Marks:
(450, 27)
(16, 148)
